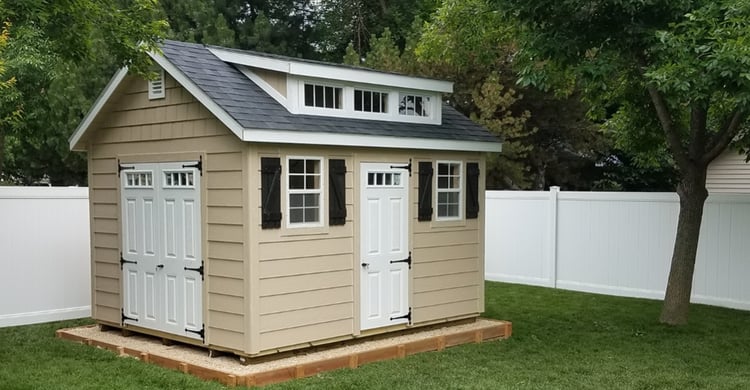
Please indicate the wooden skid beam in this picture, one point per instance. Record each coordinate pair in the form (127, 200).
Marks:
(497, 330)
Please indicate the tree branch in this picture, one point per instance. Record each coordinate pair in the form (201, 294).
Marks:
(673, 138)
(721, 140)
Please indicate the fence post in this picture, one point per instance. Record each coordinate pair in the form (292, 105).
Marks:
(552, 231)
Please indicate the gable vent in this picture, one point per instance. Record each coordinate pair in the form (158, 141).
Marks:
(156, 86)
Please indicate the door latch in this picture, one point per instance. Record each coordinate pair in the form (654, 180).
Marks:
(365, 265)
(159, 266)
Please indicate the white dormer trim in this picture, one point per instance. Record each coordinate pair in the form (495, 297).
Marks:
(331, 72)
(157, 87)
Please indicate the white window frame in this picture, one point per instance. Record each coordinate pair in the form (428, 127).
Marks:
(154, 93)
(430, 107)
(320, 191)
(132, 173)
(324, 85)
(295, 101)
(364, 90)
(459, 190)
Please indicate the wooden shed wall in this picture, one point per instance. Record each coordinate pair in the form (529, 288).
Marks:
(136, 129)
(307, 278)
(729, 173)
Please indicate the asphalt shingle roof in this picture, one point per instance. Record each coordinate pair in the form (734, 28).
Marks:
(253, 108)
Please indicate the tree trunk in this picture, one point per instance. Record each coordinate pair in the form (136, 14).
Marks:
(693, 194)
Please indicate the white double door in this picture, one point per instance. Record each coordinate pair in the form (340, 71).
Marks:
(385, 257)
(161, 247)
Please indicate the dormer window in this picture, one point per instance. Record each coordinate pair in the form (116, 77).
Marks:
(370, 101)
(323, 96)
(414, 105)
(156, 87)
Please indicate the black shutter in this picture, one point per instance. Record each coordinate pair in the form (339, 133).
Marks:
(472, 190)
(425, 191)
(336, 192)
(270, 191)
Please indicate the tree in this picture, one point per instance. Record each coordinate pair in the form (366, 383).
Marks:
(60, 55)
(666, 77)
(552, 143)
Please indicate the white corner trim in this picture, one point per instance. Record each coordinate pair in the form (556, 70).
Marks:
(334, 139)
(267, 88)
(198, 93)
(114, 82)
(332, 71)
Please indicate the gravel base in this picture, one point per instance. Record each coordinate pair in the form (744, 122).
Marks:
(231, 364)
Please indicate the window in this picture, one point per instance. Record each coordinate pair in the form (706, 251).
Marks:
(383, 179)
(323, 96)
(414, 105)
(138, 179)
(179, 179)
(448, 190)
(304, 189)
(370, 101)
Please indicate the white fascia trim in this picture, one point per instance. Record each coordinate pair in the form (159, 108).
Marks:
(317, 138)
(198, 93)
(114, 82)
(276, 95)
(333, 72)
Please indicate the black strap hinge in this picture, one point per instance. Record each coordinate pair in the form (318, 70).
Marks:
(199, 270)
(407, 167)
(121, 167)
(201, 332)
(123, 261)
(124, 317)
(406, 260)
(198, 165)
(407, 316)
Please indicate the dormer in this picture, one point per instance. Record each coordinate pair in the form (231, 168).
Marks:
(322, 89)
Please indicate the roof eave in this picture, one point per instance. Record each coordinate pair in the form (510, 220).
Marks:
(372, 141)
(88, 119)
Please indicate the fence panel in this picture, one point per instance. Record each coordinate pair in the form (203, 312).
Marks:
(44, 254)
(615, 243)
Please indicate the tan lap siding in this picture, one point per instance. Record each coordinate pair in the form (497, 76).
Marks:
(729, 173)
(305, 275)
(447, 269)
(136, 129)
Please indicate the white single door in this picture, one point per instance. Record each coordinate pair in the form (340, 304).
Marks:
(384, 248)
(162, 290)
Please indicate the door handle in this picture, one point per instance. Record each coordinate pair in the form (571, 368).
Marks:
(159, 266)
(365, 265)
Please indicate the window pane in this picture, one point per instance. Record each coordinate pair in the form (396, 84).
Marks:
(442, 182)
(296, 182)
(312, 200)
(328, 97)
(296, 200)
(384, 102)
(296, 166)
(442, 197)
(312, 182)
(442, 210)
(443, 169)
(311, 214)
(319, 96)
(296, 216)
(337, 104)
(357, 100)
(312, 166)
(453, 197)
(309, 99)
(452, 210)
(368, 101)
(370, 178)
(396, 179)
(376, 102)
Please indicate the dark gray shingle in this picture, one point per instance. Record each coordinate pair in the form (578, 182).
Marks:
(253, 108)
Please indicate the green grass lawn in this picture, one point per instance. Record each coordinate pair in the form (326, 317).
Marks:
(561, 340)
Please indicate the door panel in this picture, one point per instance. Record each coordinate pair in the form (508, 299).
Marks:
(384, 218)
(161, 245)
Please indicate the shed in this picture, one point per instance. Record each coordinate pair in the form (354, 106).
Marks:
(255, 203)
(729, 174)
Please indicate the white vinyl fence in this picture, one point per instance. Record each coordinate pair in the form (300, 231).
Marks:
(44, 254)
(615, 243)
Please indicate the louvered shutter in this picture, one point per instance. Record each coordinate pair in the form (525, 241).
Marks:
(270, 184)
(425, 191)
(336, 192)
(472, 190)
